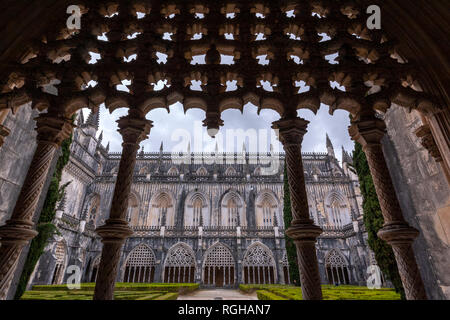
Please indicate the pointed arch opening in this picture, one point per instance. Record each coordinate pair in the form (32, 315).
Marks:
(162, 210)
(196, 210)
(140, 265)
(267, 207)
(337, 268)
(259, 265)
(60, 256)
(219, 266)
(179, 266)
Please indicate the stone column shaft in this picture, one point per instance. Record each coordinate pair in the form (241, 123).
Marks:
(368, 131)
(4, 131)
(302, 229)
(134, 128)
(19, 229)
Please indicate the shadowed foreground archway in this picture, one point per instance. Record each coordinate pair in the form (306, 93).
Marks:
(370, 68)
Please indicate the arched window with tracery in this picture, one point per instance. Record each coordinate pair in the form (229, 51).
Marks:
(95, 266)
(230, 171)
(202, 172)
(172, 171)
(133, 210)
(60, 255)
(219, 266)
(266, 209)
(161, 211)
(337, 268)
(94, 209)
(258, 265)
(337, 209)
(180, 264)
(196, 210)
(232, 210)
(140, 265)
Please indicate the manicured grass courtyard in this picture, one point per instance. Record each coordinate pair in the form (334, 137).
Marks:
(123, 291)
(343, 292)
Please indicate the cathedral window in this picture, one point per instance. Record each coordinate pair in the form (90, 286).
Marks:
(198, 205)
(140, 265)
(232, 212)
(95, 267)
(161, 211)
(133, 210)
(94, 209)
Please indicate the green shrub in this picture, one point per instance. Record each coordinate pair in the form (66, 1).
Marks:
(267, 295)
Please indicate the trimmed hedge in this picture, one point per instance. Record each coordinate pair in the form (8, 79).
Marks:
(267, 295)
(125, 286)
(285, 292)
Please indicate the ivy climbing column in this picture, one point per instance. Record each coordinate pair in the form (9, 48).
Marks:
(302, 229)
(368, 130)
(134, 128)
(52, 129)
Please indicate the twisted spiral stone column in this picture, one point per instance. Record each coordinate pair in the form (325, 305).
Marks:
(368, 131)
(302, 230)
(134, 128)
(19, 229)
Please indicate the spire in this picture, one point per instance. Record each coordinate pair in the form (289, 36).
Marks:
(330, 149)
(107, 147)
(161, 147)
(346, 157)
(141, 154)
(243, 147)
(189, 148)
(100, 137)
(94, 118)
(80, 118)
(216, 149)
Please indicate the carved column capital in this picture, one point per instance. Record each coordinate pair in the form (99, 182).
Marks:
(53, 129)
(133, 129)
(367, 131)
(428, 142)
(291, 130)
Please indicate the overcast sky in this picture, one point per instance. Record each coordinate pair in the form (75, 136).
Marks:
(175, 129)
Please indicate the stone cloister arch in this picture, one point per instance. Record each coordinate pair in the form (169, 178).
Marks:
(140, 265)
(219, 266)
(259, 265)
(337, 268)
(179, 265)
(368, 67)
(60, 257)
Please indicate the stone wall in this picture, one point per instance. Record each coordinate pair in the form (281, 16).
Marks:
(15, 157)
(424, 196)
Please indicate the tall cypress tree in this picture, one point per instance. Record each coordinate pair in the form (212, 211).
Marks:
(373, 221)
(291, 249)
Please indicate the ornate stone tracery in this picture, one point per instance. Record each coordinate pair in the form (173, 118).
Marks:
(219, 266)
(259, 265)
(180, 264)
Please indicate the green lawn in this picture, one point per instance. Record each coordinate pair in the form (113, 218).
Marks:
(123, 291)
(343, 292)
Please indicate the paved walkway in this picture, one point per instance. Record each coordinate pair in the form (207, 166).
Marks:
(218, 294)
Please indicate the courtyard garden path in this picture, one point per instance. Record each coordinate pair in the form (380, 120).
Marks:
(218, 294)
